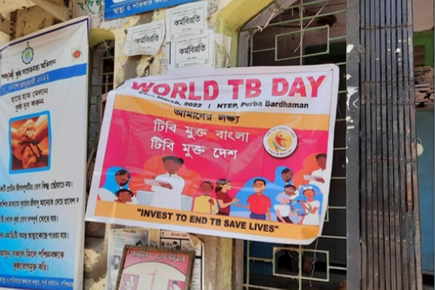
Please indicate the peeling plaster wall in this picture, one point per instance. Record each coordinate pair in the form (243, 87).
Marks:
(33, 19)
(127, 67)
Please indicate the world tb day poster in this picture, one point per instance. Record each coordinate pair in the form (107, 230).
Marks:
(243, 153)
(43, 121)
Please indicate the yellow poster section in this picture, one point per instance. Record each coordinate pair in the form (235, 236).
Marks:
(246, 119)
(241, 226)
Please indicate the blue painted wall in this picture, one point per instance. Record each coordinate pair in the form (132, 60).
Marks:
(425, 131)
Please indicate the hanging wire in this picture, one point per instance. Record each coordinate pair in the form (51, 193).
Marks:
(309, 23)
(313, 263)
(277, 11)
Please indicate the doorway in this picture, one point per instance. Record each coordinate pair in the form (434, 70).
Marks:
(304, 33)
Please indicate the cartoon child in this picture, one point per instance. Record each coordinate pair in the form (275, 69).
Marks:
(282, 210)
(205, 203)
(223, 199)
(124, 195)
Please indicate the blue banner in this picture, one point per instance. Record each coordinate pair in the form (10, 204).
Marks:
(122, 8)
(51, 76)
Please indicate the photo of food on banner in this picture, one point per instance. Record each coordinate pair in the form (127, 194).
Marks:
(30, 143)
(272, 174)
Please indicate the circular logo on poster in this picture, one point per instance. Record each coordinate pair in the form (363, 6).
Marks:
(27, 55)
(280, 141)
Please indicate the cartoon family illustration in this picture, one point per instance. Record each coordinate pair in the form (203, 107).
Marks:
(260, 199)
(115, 188)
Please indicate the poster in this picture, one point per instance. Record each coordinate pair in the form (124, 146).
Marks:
(43, 125)
(118, 239)
(186, 21)
(122, 8)
(193, 52)
(243, 153)
(146, 268)
(145, 39)
(186, 242)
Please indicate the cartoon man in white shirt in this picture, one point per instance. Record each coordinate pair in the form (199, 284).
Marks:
(320, 175)
(167, 193)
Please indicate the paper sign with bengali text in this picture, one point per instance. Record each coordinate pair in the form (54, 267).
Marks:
(43, 130)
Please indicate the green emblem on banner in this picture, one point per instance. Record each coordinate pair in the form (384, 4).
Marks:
(27, 55)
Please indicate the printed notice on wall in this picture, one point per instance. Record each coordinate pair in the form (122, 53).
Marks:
(193, 52)
(43, 127)
(186, 242)
(186, 20)
(243, 153)
(118, 239)
(145, 39)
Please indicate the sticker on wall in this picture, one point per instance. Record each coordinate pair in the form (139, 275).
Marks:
(145, 39)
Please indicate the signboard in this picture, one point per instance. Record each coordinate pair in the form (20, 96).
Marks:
(186, 21)
(43, 125)
(195, 52)
(122, 8)
(145, 39)
(118, 239)
(154, 268)
(187, 242)
(243, 153)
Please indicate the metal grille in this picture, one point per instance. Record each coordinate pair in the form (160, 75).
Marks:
(100, 83)
(390, 223)
(307, 32)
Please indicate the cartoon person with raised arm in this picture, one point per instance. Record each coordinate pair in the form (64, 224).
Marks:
(258, 203)
(320, 175)
(223, 199)
(168, 187)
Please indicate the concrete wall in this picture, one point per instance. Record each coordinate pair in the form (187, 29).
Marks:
(219, 251)
(32, 19)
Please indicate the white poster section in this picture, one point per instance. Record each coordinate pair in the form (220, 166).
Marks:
(43, 128)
